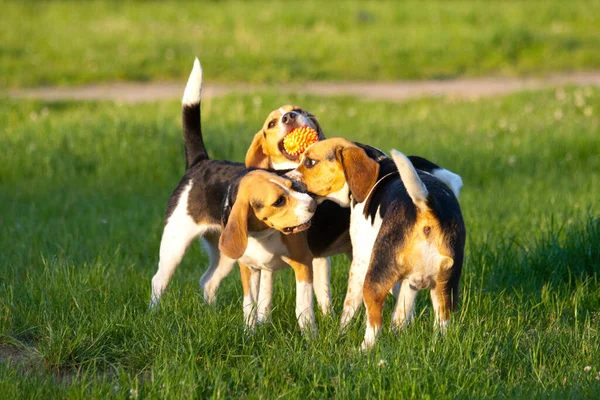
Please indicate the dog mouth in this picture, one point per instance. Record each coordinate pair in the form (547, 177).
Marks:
(297, 228)
(281, 146)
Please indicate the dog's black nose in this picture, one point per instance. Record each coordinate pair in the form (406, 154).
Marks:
(288, 118)
(298, 186)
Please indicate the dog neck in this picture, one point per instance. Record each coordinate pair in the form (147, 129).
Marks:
(341, 197)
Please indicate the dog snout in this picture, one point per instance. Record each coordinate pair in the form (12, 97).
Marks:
(299, 186)
(288, 118)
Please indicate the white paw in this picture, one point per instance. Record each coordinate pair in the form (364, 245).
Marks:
(347, 316)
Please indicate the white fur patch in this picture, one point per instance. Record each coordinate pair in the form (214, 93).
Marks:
(284, 165)
(304, 306)
(193, 88)
(414, 186)
(264, 250)
(371, 334)
(321, 273)
(341, 197)
(179, 231)
(451, 179)
(363, 234)
(265, 296)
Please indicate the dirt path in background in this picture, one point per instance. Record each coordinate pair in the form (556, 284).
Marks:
(394, 91)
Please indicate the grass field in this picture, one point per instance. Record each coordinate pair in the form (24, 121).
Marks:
(83, 188)
(71, 43)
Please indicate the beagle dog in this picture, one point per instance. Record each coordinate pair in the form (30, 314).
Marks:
(328, 234)
(253, 216)
(267, 150)
(406, 226)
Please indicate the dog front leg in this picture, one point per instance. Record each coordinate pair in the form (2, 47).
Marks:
(321, 275)
(354, 295)
(250, 281)
(305, 312)
(265, 296)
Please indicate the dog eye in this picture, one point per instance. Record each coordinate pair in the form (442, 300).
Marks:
(309, 162)
(279, 202)
(272, 123)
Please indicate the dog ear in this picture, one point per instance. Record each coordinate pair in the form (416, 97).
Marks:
(255, 156)
(315, 122)
(234, 239)
(360, 170)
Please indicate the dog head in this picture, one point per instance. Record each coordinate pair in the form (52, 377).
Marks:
(263, 200)
(266, 150)
(336, 168)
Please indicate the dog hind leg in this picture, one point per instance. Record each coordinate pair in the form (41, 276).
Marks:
(179, 231)
(219, 267)
(403, 312)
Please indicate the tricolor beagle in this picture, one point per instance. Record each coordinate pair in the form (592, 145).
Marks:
(240, 215)
(406, 226)
(328, 234)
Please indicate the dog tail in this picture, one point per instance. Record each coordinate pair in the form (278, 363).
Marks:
(454, 181)
(414, 185)
(192, 127)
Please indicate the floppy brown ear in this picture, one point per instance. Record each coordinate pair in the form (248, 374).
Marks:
(255, 156)
(234, 239)
(360, 170)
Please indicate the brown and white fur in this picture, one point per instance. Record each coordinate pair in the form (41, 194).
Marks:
(406, 227)
(240, 214)
(328, 234)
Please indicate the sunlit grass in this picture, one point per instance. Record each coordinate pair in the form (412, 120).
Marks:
(83, 188)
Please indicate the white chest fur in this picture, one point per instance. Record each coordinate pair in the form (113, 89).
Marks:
(363, 233)
(264, 250)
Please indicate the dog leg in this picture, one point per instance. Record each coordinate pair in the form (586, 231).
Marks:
(442, 305)
(354, 295)
(305, 312)
(265, 296)
(380, 279)
(179, 231)
(321, 274)
(374, 300)
(220, 266)
(250, 280)
(403, 312)
(301, 261)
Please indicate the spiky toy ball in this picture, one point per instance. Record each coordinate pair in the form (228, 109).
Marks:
(299, 139)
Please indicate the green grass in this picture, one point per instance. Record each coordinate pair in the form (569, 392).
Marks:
(72, 43)
(83, 188)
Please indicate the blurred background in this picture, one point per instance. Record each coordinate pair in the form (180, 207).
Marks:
(74, 43)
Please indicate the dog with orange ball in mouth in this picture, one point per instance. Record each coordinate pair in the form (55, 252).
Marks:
(285, 134)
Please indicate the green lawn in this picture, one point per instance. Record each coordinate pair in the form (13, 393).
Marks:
(83, 188)
(72, 43)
